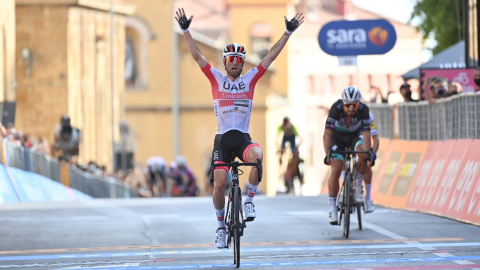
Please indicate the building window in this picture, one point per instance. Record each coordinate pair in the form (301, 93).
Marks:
(260, 34)
(137, 36)
(130, 63)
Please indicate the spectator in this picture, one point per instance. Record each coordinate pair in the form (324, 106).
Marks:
(3, 131)
(476, 77)
(42, 146)
(28, 141)
(455, 88)
(9, 129)
(375, 96)
(67, 140)
(406, 93)
(437, 88)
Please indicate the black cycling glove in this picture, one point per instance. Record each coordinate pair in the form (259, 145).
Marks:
(369, 158)
(292, 25)
(325, 160)
(184, 23)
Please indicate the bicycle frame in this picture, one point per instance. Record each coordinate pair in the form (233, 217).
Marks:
(347, 201)
(234, 219)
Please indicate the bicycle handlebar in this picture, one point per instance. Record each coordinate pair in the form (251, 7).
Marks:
(370, 152)
(238, 164)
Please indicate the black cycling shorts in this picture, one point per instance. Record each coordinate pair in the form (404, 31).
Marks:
(341, 143)
(156, 175)
(232, 141)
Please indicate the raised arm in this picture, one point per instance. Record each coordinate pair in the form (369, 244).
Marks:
(192, 46)
(291, 25)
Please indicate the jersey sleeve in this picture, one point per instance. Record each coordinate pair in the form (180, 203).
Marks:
(333, 116)
(294, 130)
(213, 75)
(365, 119)
(373, 128)
(254, 74)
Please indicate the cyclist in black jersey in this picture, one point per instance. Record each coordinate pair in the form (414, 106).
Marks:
(347, 126)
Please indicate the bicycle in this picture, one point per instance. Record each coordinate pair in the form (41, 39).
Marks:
(234, 219)
(346, 197)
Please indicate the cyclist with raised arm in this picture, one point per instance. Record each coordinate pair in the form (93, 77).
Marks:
(232, 100)
(347, 126)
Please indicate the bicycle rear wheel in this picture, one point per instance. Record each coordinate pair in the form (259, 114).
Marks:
(348, 204)
(236, 228)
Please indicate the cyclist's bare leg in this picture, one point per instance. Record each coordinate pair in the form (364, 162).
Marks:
(282, 151)
(368, 176)
(333, 187)
(333, 184)
(219, 186)
(361, 164)
(252, 155)
(163, 187)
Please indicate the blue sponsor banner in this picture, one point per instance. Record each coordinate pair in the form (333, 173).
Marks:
(357, 37)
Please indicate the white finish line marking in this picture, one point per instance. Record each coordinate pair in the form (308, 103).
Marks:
(245, 250)
(327, 262)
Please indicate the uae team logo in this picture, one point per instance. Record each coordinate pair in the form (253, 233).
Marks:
(378, 36)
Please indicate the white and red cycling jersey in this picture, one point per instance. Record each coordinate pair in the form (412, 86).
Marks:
(233, 100)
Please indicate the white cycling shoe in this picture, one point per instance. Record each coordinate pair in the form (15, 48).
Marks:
(333, 217)
(249, 209)
(358, 194)
(220, 239)
(369, 207)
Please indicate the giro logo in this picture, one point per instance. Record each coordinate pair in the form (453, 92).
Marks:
(378, 36)
(361, 37)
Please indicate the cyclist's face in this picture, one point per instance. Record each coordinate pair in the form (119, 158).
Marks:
(233, 68)
(350, 109)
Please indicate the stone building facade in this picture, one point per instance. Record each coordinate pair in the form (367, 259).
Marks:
(7, 54)
(70, 70)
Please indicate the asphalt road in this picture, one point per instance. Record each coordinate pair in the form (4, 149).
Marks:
(177, 233)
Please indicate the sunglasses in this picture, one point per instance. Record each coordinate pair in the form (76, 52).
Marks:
(355, 105)
(231, 58)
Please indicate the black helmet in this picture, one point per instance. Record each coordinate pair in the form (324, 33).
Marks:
(65, 120)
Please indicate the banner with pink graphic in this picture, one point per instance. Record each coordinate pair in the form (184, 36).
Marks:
(463, 76)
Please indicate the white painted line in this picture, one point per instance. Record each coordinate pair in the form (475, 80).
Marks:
(463, 262)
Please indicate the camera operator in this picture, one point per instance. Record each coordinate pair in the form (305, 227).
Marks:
(67, 140)
(438, 87)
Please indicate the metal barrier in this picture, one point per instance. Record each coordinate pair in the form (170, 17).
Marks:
(383, 118)
(40, 163)
(456, 117)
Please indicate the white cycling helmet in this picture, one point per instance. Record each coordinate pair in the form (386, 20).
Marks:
(351, 94)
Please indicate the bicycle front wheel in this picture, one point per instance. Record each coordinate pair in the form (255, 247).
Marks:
(348, 204)
(236, 227)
